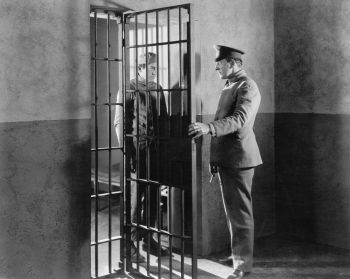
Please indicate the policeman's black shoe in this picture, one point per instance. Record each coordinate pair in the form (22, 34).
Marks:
(136, 257)
(153, 249)
(237, 274)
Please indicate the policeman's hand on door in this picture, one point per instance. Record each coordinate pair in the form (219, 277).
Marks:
(198, 129)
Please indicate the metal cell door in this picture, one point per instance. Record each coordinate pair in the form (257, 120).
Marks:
(107, 196)
(158, 156)
(143, 190)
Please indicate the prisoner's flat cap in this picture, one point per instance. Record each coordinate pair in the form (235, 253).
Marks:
(225, 52)
(152, 58)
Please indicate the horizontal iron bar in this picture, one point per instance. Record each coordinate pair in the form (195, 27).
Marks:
(106, 59)
(106, 104)
(157, 44)
(146, 181)
(132, 13)
(106, 240)
(160, 89)
(158, 231)
(160, 138)
(106, 148)
(179, 89)
(115, 193)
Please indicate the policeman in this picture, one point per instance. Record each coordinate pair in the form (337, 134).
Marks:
(234, 152)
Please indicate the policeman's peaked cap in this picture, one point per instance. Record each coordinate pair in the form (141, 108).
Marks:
(226, 52)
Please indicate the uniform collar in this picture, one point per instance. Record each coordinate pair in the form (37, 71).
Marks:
(236, 76)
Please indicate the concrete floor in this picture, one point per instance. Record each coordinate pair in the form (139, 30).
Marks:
(275, 257)
(278, 257)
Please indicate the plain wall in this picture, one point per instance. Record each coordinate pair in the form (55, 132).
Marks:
(44, 139)
(312, 50)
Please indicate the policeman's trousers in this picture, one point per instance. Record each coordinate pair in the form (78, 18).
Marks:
(236, 186)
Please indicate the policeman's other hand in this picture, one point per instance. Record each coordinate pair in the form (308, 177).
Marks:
(198, 129)
(213, 169)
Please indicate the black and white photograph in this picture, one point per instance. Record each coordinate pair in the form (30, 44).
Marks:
(175, 139)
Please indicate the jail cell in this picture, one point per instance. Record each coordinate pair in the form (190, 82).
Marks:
(160, 145)
(141, 156)
(106, 152)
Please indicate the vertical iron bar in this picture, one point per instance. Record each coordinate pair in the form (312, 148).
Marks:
(96, 153)
(191, 103)
(169, 161)
(159, 197)
(137, 144)
(169, 92)
(170, 230)
(123, 175)
(148, 196)
(181, 176)
(109, 149)
(182, 227)
(180, 70)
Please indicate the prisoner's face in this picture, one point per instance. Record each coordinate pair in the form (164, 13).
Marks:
(224, 68)
(151, 72)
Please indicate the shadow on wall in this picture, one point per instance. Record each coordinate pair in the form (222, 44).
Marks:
(77, 167)
(263, 191)
(311, 148)
(77, 172)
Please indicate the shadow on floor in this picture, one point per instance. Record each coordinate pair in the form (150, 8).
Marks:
(283, 258)
(275, 257)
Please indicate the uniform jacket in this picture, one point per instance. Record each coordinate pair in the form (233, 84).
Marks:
(234, 144)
